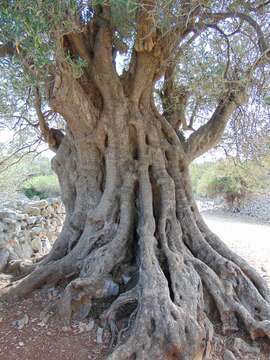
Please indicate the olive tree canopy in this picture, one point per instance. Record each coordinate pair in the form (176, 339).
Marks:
(143, 88)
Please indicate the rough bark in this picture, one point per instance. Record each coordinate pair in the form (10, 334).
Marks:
(124, 177)
(130, 209)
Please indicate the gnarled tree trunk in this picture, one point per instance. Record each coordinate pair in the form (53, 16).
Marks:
(130, 209)
(125, 185)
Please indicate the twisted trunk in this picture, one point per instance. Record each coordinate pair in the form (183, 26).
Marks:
(129, 206)
(124, 177)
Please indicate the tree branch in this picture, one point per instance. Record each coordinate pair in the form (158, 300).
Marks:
(174, 100)
(215, 27)
(146, 32)
(209, 134)
(227, 15)
(44, 128)
(52, 136)
(7, 50)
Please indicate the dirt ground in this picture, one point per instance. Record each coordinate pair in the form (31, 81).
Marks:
(26, 335)
(246, 237)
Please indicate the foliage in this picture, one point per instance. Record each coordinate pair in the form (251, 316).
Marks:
(212, 54)
(43, 186)
(15, 171)
(230, 178)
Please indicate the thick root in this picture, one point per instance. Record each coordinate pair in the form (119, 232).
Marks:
(183, 285)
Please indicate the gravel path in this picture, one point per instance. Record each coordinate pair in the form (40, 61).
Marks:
(247, 238)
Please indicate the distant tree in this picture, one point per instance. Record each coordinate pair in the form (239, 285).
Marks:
(131, 80)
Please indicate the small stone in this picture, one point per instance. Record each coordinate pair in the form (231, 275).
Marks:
(36, 244)
(9, 221)
(32, 210)
(7, 213)
(90, 325)
(37, 230)
(21, 343)
(21, 323)
(111, 287)
(228, 355)
(41, 324)
(44, 317)
(31, 220)
(99, 335)
(40, 204)
(21, 216)
(82, 327)
(66, 328)
(52, 293)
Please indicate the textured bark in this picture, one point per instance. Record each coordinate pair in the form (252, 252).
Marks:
(124, 177)
(130, 209)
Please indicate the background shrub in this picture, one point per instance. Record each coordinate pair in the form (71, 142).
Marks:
(31, 175)
(231, 179)
(43, 186)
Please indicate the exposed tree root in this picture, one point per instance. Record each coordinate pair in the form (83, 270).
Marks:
(184, 280)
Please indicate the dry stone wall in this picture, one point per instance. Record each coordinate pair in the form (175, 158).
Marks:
(28, 228)
(256, 207)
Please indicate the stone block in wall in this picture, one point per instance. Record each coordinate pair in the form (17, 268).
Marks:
(36, 244)
(30, 227)
(52, 237)
(41, 204)
(31, 220)
(7, 213)
(37, 230)
(21, 216)
(32, 210)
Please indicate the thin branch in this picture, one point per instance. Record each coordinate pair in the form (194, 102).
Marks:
(209, 134)
(258, 7)
(27, 146)
(263, 46)
(21, 117)
(215, 27)
(44, 128)
(7, 50)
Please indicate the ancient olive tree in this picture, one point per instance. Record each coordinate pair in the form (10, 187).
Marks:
(124, 77)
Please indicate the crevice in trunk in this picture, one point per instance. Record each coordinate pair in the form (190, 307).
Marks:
(102, 174)
(133, 142)
(164, 264)
(131, 219)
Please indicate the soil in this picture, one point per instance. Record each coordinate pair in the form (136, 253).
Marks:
(39, 339)
(245, 236)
